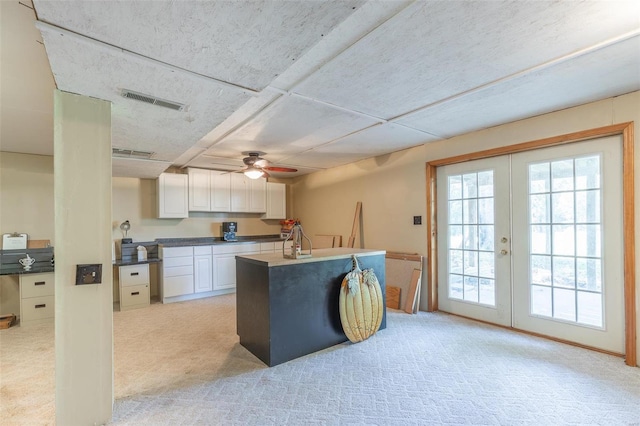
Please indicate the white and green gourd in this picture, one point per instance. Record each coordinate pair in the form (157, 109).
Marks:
(361, 303)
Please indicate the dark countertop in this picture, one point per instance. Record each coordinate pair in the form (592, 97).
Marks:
(209, 241)
(19, 270)
(135, 261)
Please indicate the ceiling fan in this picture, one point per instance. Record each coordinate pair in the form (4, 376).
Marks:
(257, 167)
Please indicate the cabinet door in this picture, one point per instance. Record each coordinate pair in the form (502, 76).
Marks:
(203, 273)
(239, 192)
(276, 201)
(258, 195)
(225, 272)
(199, 190)
(173, 195)
(220, 184)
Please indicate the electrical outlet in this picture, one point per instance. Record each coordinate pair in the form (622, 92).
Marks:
(89, 274)
(417, 220)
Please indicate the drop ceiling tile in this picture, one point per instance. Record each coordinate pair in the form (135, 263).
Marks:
(436, 49)
(610, 71)
(143, 169)
(289, 126)
(79, 67)
(248, 43)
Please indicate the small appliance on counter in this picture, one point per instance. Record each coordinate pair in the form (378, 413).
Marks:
(229, 230)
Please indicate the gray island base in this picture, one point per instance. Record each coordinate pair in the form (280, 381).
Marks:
(288, 308)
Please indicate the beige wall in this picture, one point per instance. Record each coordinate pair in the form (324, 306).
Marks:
(26, 206)
(392, 188)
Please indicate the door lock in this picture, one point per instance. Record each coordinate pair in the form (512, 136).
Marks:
(503, 240)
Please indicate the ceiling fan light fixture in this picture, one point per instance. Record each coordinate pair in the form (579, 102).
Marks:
(253, 172)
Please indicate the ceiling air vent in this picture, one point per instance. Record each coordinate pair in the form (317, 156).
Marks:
(130, 153)
(130, 94)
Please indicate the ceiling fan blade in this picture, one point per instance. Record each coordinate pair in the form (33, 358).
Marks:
(279, 169)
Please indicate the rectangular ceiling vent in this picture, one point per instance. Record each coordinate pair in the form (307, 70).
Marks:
(130, 94)
(130, 153)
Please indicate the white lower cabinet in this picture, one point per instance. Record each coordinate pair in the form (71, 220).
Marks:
(177, 272)
(134, 286)
(224, 257)
(202, 269)
(36, 298)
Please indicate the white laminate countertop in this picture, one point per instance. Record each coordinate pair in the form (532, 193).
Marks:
(318, 255)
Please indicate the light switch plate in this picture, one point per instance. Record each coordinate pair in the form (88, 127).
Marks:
(89, 274)
(417, 220)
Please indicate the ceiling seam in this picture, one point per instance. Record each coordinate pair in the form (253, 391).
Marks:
(235, 128)
(548, 64)
(332, 58)
(41, 25)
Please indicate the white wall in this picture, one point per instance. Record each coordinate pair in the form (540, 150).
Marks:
(393, 187)
(26, 206)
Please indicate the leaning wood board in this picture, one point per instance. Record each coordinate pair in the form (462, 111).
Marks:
(393, 297)
(399, 268)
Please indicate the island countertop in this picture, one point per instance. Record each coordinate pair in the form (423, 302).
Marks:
(320, 255)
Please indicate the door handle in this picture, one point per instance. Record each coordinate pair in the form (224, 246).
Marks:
(503, 252)
(503, 240)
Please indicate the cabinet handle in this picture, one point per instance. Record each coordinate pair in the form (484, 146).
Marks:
(44, 305)
(135, 293)
(40, 283)
(135, 273)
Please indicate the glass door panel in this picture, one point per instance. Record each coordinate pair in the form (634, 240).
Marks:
(564, 285)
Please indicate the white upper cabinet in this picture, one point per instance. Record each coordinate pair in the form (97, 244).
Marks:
(199, 190)
(220, 191)
(239, 192)
(173, 196)
(258, 195)
(209, 190)
(276, 201)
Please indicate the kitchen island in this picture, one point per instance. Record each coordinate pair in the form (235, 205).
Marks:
(288, 308)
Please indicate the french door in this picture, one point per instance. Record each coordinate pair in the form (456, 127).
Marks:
(534, 241)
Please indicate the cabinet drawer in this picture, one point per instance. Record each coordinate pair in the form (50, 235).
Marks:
(134, 296)
(177, 271)
(177, 261)
(36, 285)
(236, 248)
(134, 275)
(201, 250)
(177, 286)
(176, 251)
(267, 247)
(36, 308)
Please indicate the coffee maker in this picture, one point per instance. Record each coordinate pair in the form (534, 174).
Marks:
(229, 230)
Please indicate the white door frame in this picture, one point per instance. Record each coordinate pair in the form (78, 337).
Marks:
(624, 129)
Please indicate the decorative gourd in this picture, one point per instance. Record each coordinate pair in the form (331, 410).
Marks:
(361, 303)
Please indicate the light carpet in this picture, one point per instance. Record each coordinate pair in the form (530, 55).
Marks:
(181, 364)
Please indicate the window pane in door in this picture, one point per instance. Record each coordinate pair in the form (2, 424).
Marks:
(471, 238)
(568, 284)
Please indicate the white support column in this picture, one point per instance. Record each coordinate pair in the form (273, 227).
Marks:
(84, 313)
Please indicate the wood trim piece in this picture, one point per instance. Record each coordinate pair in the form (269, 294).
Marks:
(627, 131)
(615, 129)
(628, 213)
(413, 257)
(432, 247)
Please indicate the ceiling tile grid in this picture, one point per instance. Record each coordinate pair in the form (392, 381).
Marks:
(244, 42)
(603, 73)
(437, 49)
(316, 84)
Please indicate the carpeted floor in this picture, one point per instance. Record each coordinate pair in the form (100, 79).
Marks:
(181, 364)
